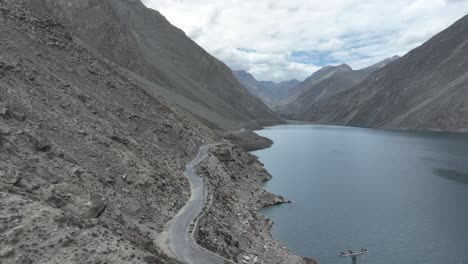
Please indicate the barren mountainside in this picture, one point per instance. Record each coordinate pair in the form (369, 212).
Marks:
(142, 40)
(89, 162)
(323, 85)
(426, 89)
(316, 77)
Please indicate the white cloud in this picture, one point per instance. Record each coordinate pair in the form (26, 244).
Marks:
(264, 36)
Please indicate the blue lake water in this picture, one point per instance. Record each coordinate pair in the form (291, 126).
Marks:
(401, 195)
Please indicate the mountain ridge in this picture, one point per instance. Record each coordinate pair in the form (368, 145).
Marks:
(424, 90)
(322, 85)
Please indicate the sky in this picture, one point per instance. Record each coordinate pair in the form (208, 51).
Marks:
(290, 39)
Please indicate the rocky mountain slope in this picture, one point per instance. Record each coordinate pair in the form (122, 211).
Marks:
(91, 162)
(143, 41)
(270, 92)
(316, 77)
(321, 86)
(426, 89)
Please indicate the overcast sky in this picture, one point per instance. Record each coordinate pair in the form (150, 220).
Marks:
(285, 39)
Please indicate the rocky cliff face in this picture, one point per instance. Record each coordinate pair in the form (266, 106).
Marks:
(426, 89)
(143, 41)
(90, 164)
(323, 85)
(270, 92)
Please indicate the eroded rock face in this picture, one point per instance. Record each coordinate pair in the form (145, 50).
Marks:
(233, 227)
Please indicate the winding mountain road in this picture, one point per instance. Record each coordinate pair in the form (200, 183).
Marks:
(180, 240)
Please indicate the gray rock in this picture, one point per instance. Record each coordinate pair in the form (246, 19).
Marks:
(40, 142)
(4, 111)
(18, 116)
(10, 176)
(97, 205)
(4, 130)
(7, 252)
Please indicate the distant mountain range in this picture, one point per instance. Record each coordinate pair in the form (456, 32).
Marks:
(427, 89)
(270, 92)
(294, 99)
(321, 86)
(164, 59)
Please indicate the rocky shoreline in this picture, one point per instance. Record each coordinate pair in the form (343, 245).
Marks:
(233, 227)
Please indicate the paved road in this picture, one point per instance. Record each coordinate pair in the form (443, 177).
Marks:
(179, 240)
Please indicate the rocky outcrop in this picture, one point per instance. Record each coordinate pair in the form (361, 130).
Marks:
(233, 226)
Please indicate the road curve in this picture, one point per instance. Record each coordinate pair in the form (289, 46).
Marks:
(180, 240)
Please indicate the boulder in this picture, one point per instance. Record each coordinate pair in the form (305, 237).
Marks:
(41, 142)
(10, 176)
(18, 116)
(4, 111)
(4, 130)
(97, 205)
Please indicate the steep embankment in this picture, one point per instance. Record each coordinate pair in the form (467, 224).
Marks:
(323, 85)
(270, 92)
(143, 41)
(426, 89)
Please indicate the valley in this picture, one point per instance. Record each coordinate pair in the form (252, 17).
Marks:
(126, 139)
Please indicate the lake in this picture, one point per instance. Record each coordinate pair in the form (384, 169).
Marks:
(403, 196)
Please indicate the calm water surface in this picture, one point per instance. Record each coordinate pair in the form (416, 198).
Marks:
(401, 195)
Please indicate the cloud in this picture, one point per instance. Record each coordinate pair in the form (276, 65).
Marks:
(285, 39)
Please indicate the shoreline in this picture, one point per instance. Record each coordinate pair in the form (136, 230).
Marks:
(234, 227)
(248, 140)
